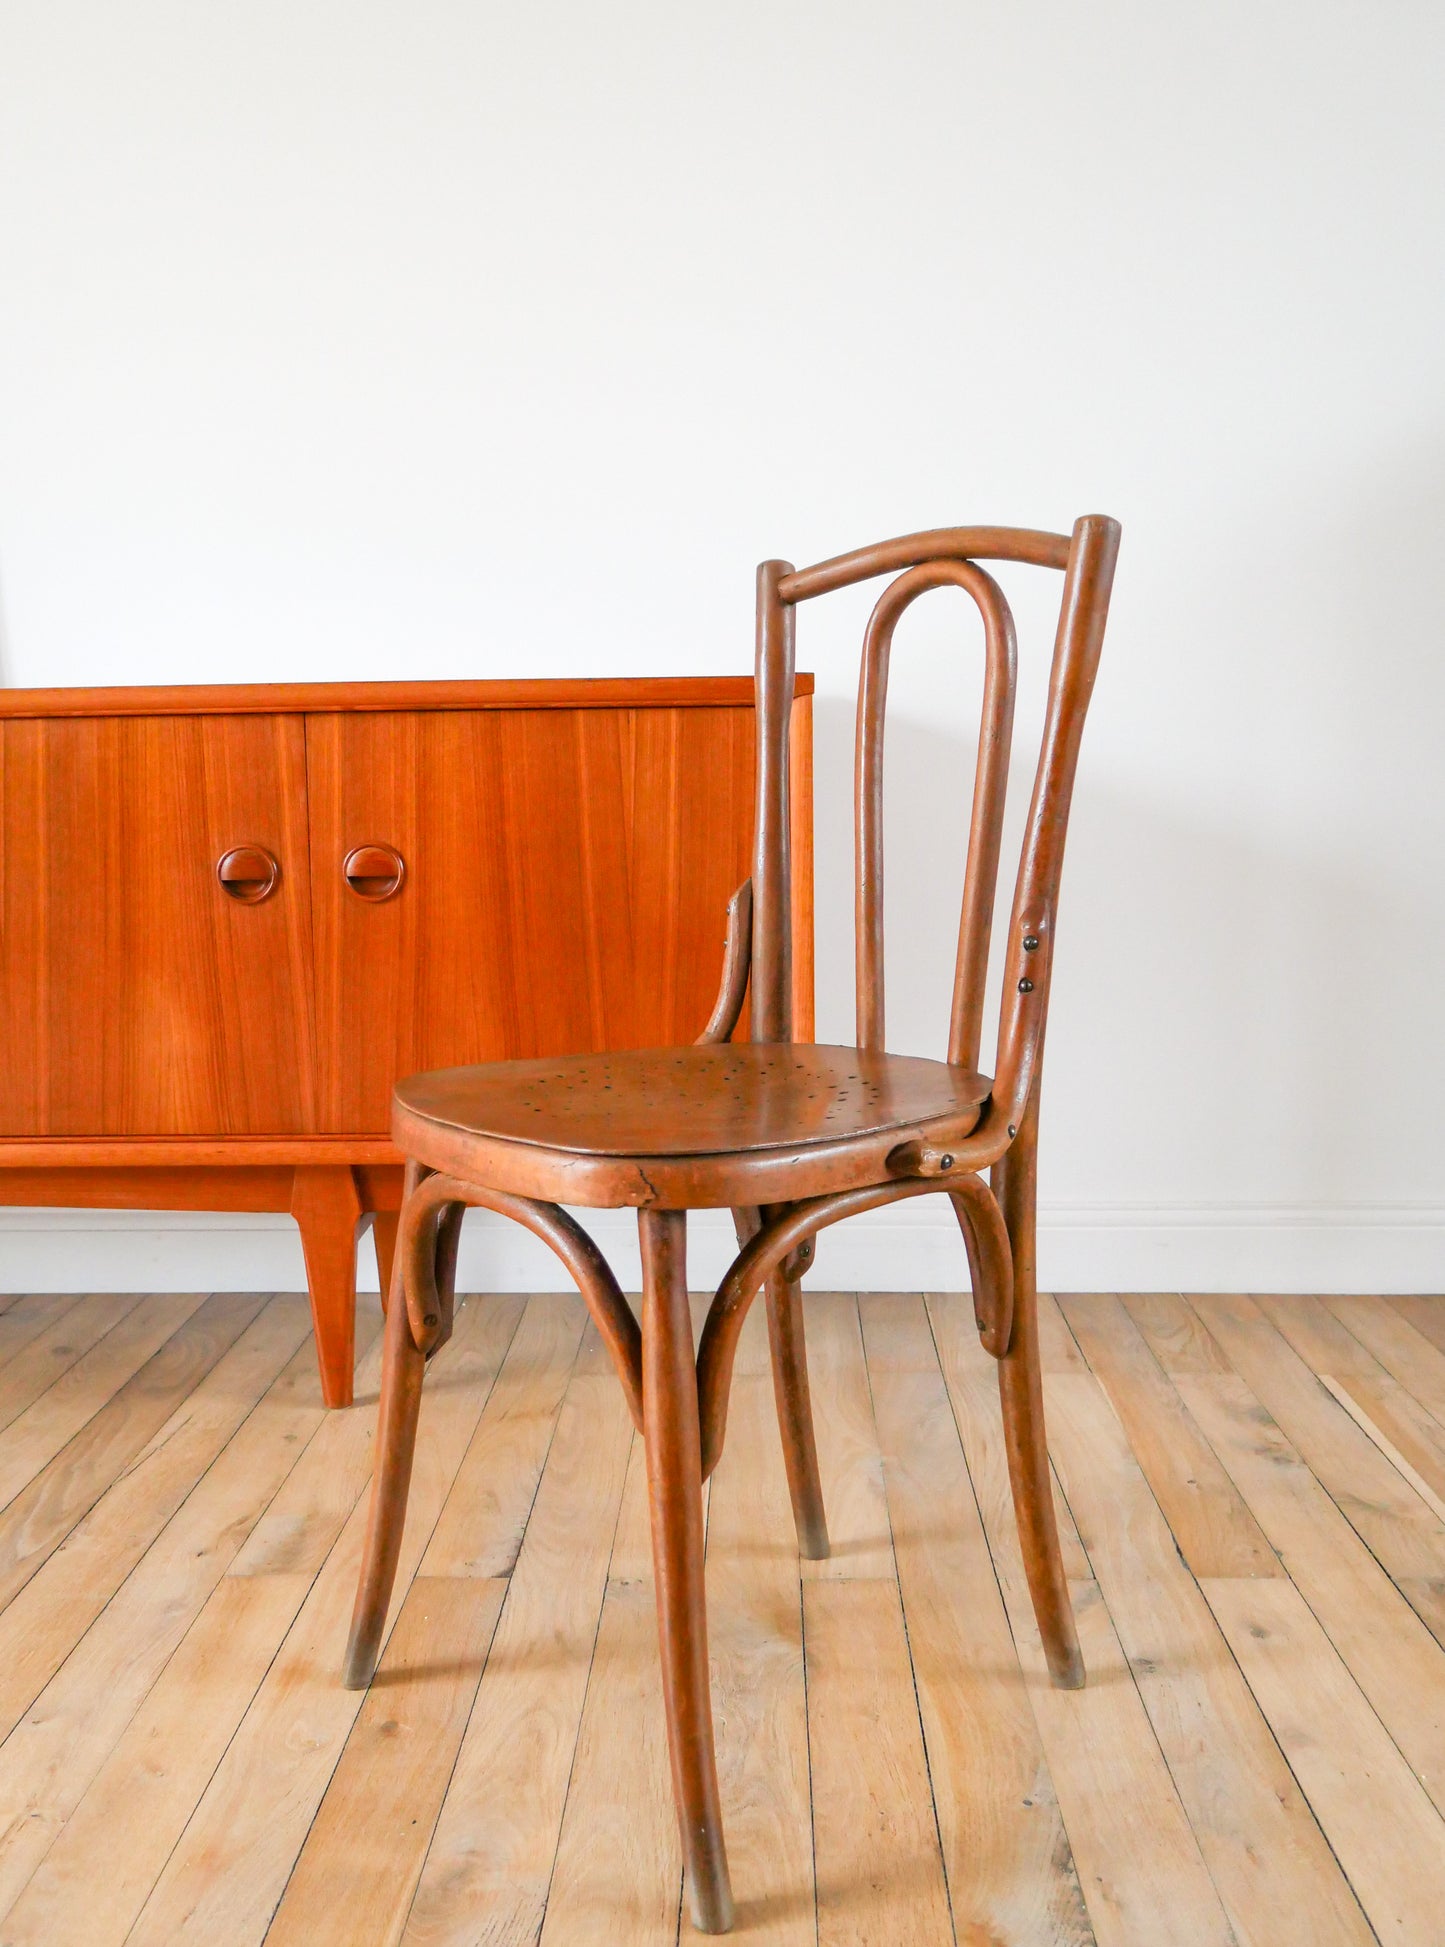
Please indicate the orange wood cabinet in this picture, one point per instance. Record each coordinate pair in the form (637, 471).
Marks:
(231, 917)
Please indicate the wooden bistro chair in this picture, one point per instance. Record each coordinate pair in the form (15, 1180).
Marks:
(790, 1137)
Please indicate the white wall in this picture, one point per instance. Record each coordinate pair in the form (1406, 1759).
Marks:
(382, 340)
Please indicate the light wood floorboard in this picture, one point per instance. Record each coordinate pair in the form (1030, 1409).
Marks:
(1250, 1497)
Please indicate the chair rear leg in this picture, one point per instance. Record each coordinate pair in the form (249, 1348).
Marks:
(1022, 1394)
(674, 1487)
(402, 1369)
(789, 1350)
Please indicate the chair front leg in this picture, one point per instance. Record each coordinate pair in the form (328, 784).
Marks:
(402, 1369)
(674, 1485)
(1021, 1391)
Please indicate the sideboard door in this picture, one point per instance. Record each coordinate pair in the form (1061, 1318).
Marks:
(564, 882)
(139, 994)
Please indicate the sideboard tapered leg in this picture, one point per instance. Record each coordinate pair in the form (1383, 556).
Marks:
(327, 1206)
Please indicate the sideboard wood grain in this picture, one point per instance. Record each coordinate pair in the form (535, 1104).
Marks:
(138, 999)
(183, 1034)
(551, 897)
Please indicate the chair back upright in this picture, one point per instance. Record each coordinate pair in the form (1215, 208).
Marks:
(944, 557)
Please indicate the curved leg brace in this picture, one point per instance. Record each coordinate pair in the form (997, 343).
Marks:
(591, 1272)
(990, 1262)
(781, 1236)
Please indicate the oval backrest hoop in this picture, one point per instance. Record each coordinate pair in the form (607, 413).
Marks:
(990, 785)
(945, 557)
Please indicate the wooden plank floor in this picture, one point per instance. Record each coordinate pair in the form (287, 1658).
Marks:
(1252, 1500)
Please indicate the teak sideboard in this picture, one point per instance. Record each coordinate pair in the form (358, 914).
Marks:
(231, 917)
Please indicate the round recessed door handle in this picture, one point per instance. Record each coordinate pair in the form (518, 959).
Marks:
(248, 873)
(374, 872)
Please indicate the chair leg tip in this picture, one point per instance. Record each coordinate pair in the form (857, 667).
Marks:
(359, 1667)
(1068, 1673)
(812, 1532)
(712, 1911)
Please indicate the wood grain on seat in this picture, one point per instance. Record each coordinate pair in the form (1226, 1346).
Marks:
(689, 1101)
(681, 1117)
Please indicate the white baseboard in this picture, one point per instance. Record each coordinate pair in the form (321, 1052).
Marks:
(1124, 1247)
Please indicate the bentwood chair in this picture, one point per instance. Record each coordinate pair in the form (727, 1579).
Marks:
(790, 1137)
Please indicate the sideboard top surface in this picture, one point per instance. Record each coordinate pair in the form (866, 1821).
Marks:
(267, 699)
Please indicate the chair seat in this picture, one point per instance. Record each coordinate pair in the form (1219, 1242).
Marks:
(682, 1128)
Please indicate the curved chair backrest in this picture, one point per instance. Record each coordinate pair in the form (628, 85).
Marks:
(946, 557)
